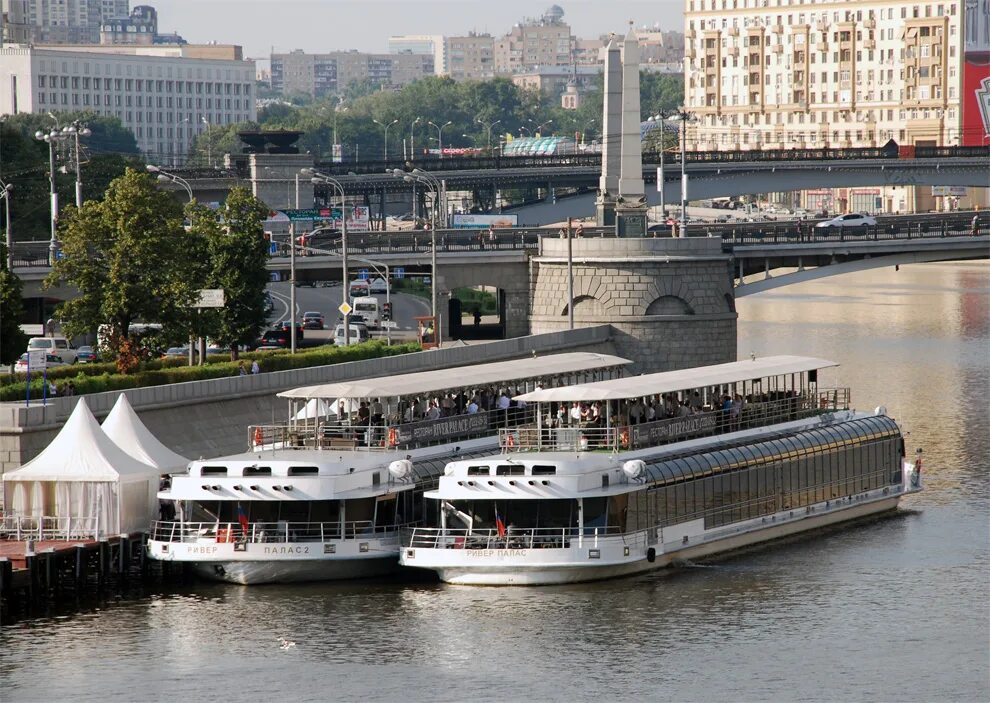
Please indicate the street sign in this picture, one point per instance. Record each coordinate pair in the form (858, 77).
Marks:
(363, 274)
(398, 272)
(323, 213)
(274, 276)
(345, 308)
(390, 324)
(273, 248)
(210, 298)
(37, 359)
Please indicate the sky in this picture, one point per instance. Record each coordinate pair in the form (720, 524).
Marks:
(326, 25)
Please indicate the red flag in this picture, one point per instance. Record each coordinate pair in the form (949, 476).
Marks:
(499, 525)
(242, 518)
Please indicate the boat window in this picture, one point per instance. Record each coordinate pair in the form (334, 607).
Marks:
(376, 478)
(543, 470)
(257, 471)
(303, 470)
(604, 480)
(213, 471)
(477, 471)
(510, 470)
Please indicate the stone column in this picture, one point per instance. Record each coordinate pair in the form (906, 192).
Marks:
(273, 179)
(669, 300)
(630, 206)
(608, 185)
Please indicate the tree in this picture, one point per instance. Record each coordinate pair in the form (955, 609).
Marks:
(131, 260)
(238, 254)
(12, 340)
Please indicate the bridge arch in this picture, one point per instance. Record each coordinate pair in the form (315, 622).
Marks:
(669, 305)
(586, 305)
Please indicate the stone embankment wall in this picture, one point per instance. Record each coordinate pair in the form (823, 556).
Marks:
(670, 301)
(210, 418)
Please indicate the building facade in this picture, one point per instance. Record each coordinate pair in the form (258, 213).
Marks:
(544, 41)
(471, 57)
(164, 95)
(425, 44)
(61, 22)
(325, 74)
(826, 73)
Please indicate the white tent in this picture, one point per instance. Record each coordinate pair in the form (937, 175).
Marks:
(127, 431)
(82, 485)
(318, 407)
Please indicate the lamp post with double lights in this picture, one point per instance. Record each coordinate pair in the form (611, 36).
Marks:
(412, 137)
(386, 125)
(318, 178)
(168, 177)
(52, 138)
(440, 128)
(441, 190)
(76, 130)
(658, 119)
(540, 126)
(418, 176)
(683, 117)
(488, 126)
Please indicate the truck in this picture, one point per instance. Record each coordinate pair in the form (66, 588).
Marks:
(368, 309)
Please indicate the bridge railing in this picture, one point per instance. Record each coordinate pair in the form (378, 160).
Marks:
(30, 254)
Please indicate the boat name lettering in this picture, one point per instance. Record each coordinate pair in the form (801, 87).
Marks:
(202, 550)
(654, 433)
(283, 549)
(431, 430)
(495, 553)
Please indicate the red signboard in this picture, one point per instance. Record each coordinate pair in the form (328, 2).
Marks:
(976, 74)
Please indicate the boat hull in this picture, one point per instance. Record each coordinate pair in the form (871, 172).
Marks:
(261, 572)
(543, 567)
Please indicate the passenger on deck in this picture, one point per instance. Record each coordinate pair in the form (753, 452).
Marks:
(472, 407)
(376, 411)
(434, 412)
(684, 409)
(575, 413)
(695, 402)
(364, 414)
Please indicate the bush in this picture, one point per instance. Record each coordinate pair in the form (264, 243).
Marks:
(97, 378)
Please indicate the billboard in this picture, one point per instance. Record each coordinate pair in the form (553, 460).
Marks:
(462, 221)
(976, 74)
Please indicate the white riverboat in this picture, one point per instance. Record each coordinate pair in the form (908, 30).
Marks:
(324, 494)
(751, 451)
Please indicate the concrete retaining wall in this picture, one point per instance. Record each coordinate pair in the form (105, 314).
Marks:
(210, 418)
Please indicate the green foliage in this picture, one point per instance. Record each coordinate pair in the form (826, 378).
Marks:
(163, 375)
(473, 299)
(13, 342)
(130, 258)
(237, 253)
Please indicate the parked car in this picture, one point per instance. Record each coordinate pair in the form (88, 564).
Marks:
(59, 346)
(851, 220)
(86, 355)
(21, 365)
(179, 353)
(312, 320)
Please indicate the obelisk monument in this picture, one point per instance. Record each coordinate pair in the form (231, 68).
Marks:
(630, 205)
(608, 185)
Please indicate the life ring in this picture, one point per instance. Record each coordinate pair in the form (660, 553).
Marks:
(823, 403)
(393, 437)
(257, 436)
(225, 535)
(510, 440)
(624, 437)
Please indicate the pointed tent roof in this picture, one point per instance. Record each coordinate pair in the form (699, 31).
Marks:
(81, 452)
(125, 428)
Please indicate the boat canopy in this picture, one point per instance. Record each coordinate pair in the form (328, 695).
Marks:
(502, 372)
(684, 379)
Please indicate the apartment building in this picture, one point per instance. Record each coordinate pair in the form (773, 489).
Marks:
(545, 41)
(325, 74)
(817, 73)
(165, 95)
(425, 44)
(62, 22)
(470, 57)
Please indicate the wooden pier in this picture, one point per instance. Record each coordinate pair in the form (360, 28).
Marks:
(38, 573)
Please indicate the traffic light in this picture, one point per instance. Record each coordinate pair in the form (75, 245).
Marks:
(387, 312)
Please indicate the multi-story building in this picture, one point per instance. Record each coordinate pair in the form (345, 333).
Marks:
(59, 22)
(825, 73)
(545, 41)
(165, 95)
(331, 73)
(140, 27)
(470, 57)
(553, 80)
(427, 44)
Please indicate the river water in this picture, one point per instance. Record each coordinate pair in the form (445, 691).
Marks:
(895, 609)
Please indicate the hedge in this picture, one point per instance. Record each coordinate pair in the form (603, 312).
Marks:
(85, 381)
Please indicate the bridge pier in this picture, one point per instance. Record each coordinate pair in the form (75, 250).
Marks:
(669, 300)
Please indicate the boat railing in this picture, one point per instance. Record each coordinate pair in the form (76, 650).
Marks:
(45, 527)
(267, 532)
(320, 434)
(752, 414)
(510, 538)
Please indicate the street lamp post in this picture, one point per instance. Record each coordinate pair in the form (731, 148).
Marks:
(51, 138)
(412, 137)
(440, 134)
(540, 126)
(209, 142)
(76, 130)
(441, 191)
(318, 178)
(386, 125)
(418, 176)
(488, 126)
(683, 117)
(5, 190)
(167, 177)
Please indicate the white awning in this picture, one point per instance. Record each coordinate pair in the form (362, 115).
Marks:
(499, 373)
(685, 379)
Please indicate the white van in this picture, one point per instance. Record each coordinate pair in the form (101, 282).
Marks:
(357, 334)
(367, 308)
(59, 346)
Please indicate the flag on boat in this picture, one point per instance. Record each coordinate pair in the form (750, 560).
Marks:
(499, 525)
(242, 518)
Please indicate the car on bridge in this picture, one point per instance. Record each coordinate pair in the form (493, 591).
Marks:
(853, 221)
